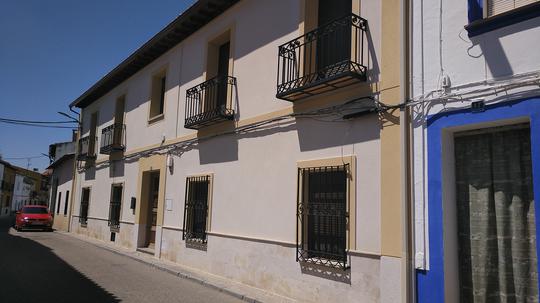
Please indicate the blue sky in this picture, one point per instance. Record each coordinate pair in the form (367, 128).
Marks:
(52, 51)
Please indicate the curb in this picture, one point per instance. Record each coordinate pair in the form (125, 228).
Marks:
(163, 268)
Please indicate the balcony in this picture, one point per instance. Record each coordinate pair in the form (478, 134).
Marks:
(86, 149)
(112, 139)
(325, 59)
(210, 102)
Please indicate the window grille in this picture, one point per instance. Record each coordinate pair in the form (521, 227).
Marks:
(196, 209)
(115, 205)
(322, 216)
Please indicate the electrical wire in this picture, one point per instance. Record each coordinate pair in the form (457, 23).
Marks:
(36, 122)
(37, 125)
(24, 158)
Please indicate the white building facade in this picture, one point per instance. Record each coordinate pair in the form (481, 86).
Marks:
(191, 152)
(475, 109)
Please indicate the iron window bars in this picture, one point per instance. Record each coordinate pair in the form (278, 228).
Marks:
(196, 209)
(86, 148)
(322, 216)
(115, 206)
(327, 58)
(83, 211)
(208, 102)
(112, 138)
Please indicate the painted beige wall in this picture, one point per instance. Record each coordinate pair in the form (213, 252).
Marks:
(391, 212)
(64, 173)
(254, 174)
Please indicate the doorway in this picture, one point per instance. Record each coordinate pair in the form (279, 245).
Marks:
(152, 209)
(496, 228)
(334, 47)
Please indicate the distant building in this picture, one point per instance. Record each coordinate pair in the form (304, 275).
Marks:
(20, 187)
(7, 179)
(61, 176)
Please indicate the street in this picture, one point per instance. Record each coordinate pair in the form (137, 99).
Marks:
(51, 267)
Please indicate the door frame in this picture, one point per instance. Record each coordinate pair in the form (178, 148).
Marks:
(156, 163)
(434, 284)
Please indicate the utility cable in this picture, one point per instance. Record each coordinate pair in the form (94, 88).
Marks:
(36, 122)
(36, 125)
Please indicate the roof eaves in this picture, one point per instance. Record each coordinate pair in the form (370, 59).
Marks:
(191, 20)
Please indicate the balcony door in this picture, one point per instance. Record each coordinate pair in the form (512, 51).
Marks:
(334, 42)
(223, 72)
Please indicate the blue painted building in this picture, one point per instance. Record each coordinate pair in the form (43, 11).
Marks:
(476, 150)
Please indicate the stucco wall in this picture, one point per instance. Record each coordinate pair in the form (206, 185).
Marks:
(253, 215)
(64, 173)
(493, 67)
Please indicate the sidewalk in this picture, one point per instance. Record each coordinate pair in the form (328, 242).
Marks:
(238, 290)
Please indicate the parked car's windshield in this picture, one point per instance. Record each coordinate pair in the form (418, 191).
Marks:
(34, 210)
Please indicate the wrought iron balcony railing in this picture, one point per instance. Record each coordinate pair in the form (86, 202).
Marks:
(112, 138)
(114, 214)
(210, 102)
(87, 148)
(325, 59)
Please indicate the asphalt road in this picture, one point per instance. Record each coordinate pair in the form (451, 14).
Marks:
(50, 267)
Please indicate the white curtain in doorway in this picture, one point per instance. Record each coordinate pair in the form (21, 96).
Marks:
(496, 221)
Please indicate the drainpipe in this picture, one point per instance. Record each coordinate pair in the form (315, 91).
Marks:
(407, 270)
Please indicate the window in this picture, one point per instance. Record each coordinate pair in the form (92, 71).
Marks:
(119, 121)
(495, 7)
(330, 53)
(210, 102)
(112, 136)
(85, 201)
(196, 208)
(34, 210)
(323, 215)
(115, 205)
(59, 201)
(488, 15)
(157, 100)
(66, 203)
(93, 133)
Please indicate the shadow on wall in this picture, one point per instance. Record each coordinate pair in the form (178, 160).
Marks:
(492, 50)
(31, 272)
(315, 135)
(116, 169)
(321, 271)
(372, 64)
(219, 149)
(90, 173)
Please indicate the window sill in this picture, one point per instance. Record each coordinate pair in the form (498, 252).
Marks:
(514, 16)
(155, 119)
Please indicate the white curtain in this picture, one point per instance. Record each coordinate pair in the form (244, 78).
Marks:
(496, 222)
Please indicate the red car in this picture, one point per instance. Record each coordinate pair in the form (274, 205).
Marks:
(35, 217)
